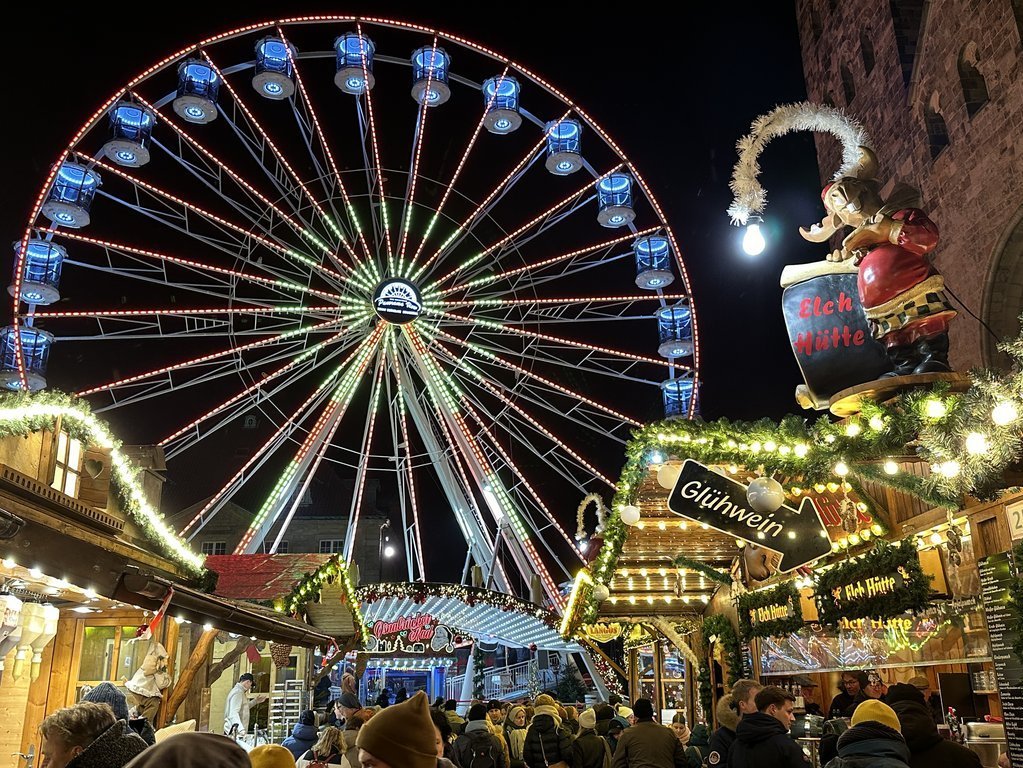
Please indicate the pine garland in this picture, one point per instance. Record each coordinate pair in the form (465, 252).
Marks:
(784, 593)
(479, 671)
(883, 559)
(719, 626)
(701, 567)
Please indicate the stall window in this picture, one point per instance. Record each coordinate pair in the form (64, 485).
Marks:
(109, 653)
(213, 547)
(331, 546)
(67, 470)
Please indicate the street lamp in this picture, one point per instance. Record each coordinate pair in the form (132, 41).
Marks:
(753, 242)
(386, 547)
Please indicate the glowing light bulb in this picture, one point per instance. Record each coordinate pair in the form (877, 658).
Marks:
(891, 467)
(852, 429)
(876, 529)
(9, 563)
(865, 534)
(950, 468)
(841, 469)
(976, 443)
(854, 539)
(935, 408)
(389, 551)
(935, 538)
(770, 445)
(207, 627)
(1004, 413)
(753, 242)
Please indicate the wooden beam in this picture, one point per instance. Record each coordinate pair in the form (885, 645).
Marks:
(230, 658)
(199, 658)
(334, 659)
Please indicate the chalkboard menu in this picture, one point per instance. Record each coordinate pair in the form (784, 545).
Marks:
(830, 336)
(995, 577)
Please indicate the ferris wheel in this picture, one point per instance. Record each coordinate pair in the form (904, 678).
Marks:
(418, 260)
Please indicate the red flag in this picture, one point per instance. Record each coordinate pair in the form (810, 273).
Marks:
(252, 654)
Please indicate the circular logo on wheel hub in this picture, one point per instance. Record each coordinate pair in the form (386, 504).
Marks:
(397, 301)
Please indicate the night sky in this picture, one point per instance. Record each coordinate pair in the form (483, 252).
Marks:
(676, 91)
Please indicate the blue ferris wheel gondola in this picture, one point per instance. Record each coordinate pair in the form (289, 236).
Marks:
(131, 130)
(275, 69)
(35, 350)
(41, 265)
(71, 195)
(653, 262)
(352, 77)
(564, 145)
(678, 395)
(430, 67)
(501, 100)
(198, 89)
(614, 198)
(675, 331)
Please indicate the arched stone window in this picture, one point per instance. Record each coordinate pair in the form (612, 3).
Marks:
(937, 131)
(970, 78)
(1003, 294)
(848, 86)
(867, 51)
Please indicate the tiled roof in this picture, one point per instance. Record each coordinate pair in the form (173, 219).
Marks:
(261, 577)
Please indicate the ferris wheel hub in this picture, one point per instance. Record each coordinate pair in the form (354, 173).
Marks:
(397, 301)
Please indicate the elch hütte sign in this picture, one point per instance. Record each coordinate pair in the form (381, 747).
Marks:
(706, 496)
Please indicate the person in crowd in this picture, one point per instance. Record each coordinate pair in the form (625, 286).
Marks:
(547, 743)
(384, 699)
(303, 734)
(88, 735)
(401, 695)
(495, 718)
(931, 697)
(515, 735)
(451, 713)
(333, 715)
(762, 738)
(589, 749)
(106, 693)
(647, 744)
(495, 712)
(351, 731)
(721, 740)
(744, 694)
(192, 750)
(614, 701)
(605, 714)
(329, 748)
(810, 692)
(571, 719)
(626, 715)
(876, 688)
(402, 736)
(271, 756)
(236, 709)
(851, 687)
(445, 737)
(477, 746)
(680, 729)
(698, 751)
(615, 729)
(438, 704)
(874, 740)
(927, 749)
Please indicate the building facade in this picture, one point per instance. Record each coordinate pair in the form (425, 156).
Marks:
(938, 86)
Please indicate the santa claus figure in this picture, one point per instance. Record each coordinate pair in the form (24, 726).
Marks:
(901, 292)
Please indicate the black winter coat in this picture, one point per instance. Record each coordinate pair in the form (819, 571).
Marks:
(589, 750)
(763, 742)
(114, 748)
(546, 739)
(871, 745)
(927, 749)
(720, 745)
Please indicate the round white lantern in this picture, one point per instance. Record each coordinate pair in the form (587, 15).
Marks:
(765, 494)
(630, 515)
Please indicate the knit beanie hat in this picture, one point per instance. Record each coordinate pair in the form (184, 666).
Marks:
(187, 750)
(604, 711)
(588, 719)
(904, 692)
(307, 718)
(271, 756)
(513, 713)
(402, 735)
(105, 693)
(544, 700)
(876, 711)
(350, 701)
(643, 709)
(477, 712)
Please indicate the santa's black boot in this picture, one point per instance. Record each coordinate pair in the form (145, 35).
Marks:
(933, 354)
(903, 359)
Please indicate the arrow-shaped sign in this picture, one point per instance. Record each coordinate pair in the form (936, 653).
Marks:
(703, 495)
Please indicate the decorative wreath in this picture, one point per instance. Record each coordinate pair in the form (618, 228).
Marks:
(580, 514)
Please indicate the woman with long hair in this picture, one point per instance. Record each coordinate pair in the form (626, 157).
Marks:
(327, 749)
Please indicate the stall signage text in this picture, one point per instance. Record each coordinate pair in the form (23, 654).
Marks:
(864, 589)
(765, 613)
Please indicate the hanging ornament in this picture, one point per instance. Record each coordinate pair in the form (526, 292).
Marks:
(667, 475)
(630, 514)
(765, 494)
(954, 543)
(601, 592)
(850, 517)
(280, 654)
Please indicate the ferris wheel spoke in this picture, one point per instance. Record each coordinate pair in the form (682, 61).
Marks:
(288, 426)
(285, 338)
(187, 436)
(449, 188)
(369, 120)
(546, 219)
(464, 229)
(353, 217)
(331, 276)
(489, 355)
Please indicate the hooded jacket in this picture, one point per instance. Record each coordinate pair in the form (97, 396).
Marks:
(649, 745)
(114, 748)
(871, 745)
(546, 744)
(301, 739)
(590, 749)
(761, 741)
(192, 750)
(477, 735)
(927, 749)
(720, 744)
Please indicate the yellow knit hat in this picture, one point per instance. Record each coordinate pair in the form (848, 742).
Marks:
(876, 711)
(271, 756)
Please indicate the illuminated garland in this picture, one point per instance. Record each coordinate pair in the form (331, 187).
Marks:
(719, 627)
(612, 680)
(883, 559)
(784, 593)
(308, 590)
(710, 572)
(21, 414)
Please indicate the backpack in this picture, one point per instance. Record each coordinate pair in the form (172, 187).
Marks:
(480, 751)
(316, 762)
